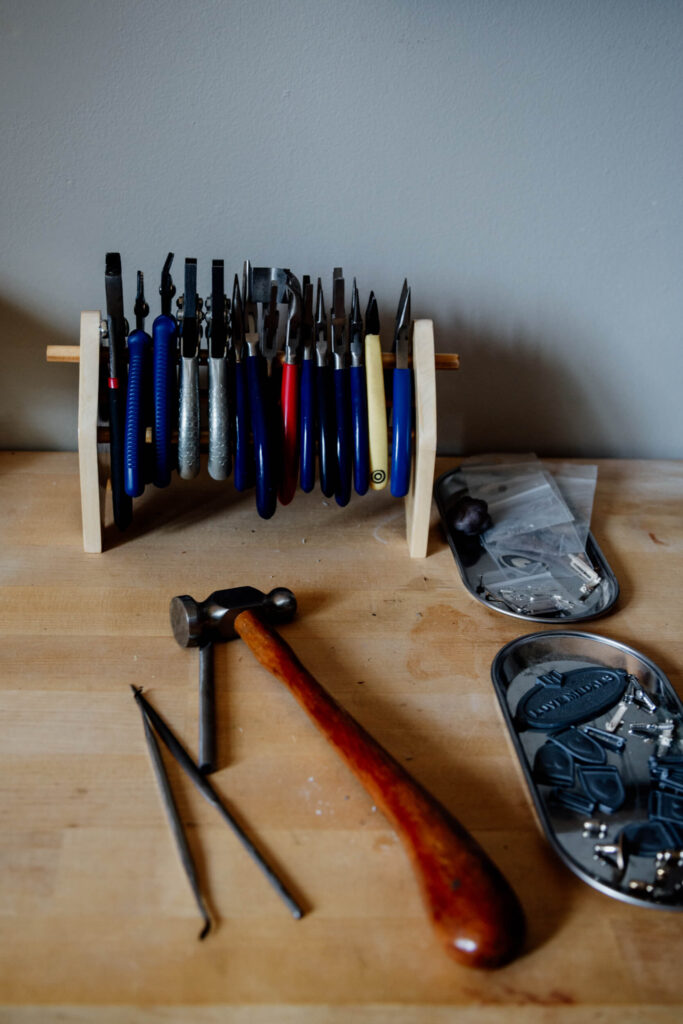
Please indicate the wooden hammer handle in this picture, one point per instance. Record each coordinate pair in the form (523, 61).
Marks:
(474, 910)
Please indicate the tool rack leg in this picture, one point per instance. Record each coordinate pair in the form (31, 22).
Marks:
(418, 501)
(92, 484)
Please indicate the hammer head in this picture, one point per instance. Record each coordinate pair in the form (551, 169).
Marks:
(198, 623)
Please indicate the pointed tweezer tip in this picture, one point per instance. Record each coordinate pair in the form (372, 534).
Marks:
(206, 929)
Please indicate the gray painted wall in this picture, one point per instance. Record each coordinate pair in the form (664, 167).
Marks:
(519, 160)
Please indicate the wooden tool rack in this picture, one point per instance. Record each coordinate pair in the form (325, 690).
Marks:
(93, 434)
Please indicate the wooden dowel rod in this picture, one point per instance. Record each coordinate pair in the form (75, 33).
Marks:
(71, 354)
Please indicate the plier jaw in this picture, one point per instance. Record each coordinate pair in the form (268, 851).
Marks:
(293, 336)
(217, 327)
(271, 319)
(141, 309)
(402, 331)
(167, 288)
(237, 321)
(356, 329)
(307, 322)
(250, 308)
(191, 307)
(322, 346)
(338, 324)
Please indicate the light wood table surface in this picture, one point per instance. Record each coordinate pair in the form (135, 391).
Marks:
(97, 923)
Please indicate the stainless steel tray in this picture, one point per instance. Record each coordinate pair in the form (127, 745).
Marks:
(474, 563)
(632, 851)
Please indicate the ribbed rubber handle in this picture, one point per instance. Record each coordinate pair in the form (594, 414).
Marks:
(165, 344)
(139, 350)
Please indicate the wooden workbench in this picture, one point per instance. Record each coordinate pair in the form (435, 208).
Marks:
(96, 921)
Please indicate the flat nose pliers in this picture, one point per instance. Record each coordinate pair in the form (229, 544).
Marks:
(340, 349)
(324, 399)
(220, 458)
(244, 455)
(307, 391)
(188, 421)
(402, 400)
(266, 490)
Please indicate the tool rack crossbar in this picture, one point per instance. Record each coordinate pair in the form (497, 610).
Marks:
(93, 457)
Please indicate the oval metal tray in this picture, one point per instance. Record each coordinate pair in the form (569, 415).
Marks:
(631, 849)
(474, 563)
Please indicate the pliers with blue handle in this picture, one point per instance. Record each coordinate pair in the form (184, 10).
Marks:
(165, 354)
(359, 399)
(220, 455)
(324, 400)
(244, 454)
(139, 373)
(266, 489)
(188, 418)
(340, 348)
(402, 415)
(307, 391)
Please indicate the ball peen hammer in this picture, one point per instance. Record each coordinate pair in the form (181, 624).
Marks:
(204, 623)
(471, 905)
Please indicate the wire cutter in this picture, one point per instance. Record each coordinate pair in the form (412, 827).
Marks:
(340, 348)
(190, 332)
(139, 373)
(244, 455)
(307, 390)
(165, 354)
(266, 490)
(324, 399)
(359, 399)
(116, 387)
(402, 399)
(377, 404)
(220, 457)
(290, 394)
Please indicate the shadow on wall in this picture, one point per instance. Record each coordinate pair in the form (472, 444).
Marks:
(515, 393)
(38, 400)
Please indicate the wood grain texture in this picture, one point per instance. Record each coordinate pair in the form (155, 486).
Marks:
(96, 921)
